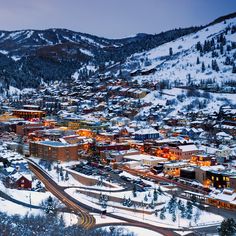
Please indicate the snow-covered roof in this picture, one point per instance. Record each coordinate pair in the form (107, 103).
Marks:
(213, 168)
(188, 148)
(141, 157)
(147, 131)
(227, 195)
(18, 175)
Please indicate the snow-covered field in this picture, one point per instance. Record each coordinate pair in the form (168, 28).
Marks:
(35, 198)
(13, 208)
(199, 217)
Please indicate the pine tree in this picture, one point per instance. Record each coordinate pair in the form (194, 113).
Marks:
(173, 216)
(61, 171)
(203, 67)
(62, 222)
(189, 210)
(197, 216)
(234, 68)
(67, 176)
(162, 213)
(214, 65)
(49, 166)
(199, 46)
(227, 227)
(145, 198)
(49, 207)
(152, 205)
(124, 201)
(155, 196)
(39, 185)
(227, 61)
(156, 212)
(134, 193)
(172, 204)
(160, 190)
(198, 61)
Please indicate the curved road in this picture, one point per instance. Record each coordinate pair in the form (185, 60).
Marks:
(87, 220)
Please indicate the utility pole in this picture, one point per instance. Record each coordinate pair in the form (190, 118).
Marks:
(30, 200)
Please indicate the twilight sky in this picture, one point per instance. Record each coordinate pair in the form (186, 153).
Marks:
(111, 18)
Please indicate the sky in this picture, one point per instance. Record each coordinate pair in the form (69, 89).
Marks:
(111, 18)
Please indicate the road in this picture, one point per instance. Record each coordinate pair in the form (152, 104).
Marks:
(87, 220)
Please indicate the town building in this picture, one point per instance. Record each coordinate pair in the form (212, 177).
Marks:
(54, 151)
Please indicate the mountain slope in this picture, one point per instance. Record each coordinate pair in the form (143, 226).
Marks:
(54, 54)
(204, 57)
(29, 56)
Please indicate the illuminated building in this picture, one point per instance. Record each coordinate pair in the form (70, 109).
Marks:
(183, 152)
(173, 169)
(53, 151)
(29, 114)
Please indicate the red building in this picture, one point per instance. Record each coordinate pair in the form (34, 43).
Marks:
(112, 146)
(20, 181)
(23, 182)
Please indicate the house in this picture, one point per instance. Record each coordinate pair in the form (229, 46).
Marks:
(120, 121)
(22, 181)
(183, 152)
(102, 146)
(24, 128)
(203, 160)
(193, 133)
(146, 133)
(225, 199)
(232, 182)
(201, 173)
(187, 173)
(220, 179)
(144, 159)
(20, 165)
(173, 168)
(223, 137)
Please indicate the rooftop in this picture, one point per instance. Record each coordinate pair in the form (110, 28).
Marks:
(54, 144)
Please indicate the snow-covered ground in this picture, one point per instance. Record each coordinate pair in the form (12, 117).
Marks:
(183, 61)
(13, 208)
(26, 196)
(213, 103)
(72, 182)
(136, 230)
(199, 217)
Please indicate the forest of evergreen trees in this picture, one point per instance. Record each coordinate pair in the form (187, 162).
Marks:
(49, 225)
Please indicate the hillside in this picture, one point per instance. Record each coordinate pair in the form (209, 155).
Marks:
(28, 56)
(195, 56)
(202, 59)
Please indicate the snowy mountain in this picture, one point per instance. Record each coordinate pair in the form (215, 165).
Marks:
(29, 56)
(201, 58)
